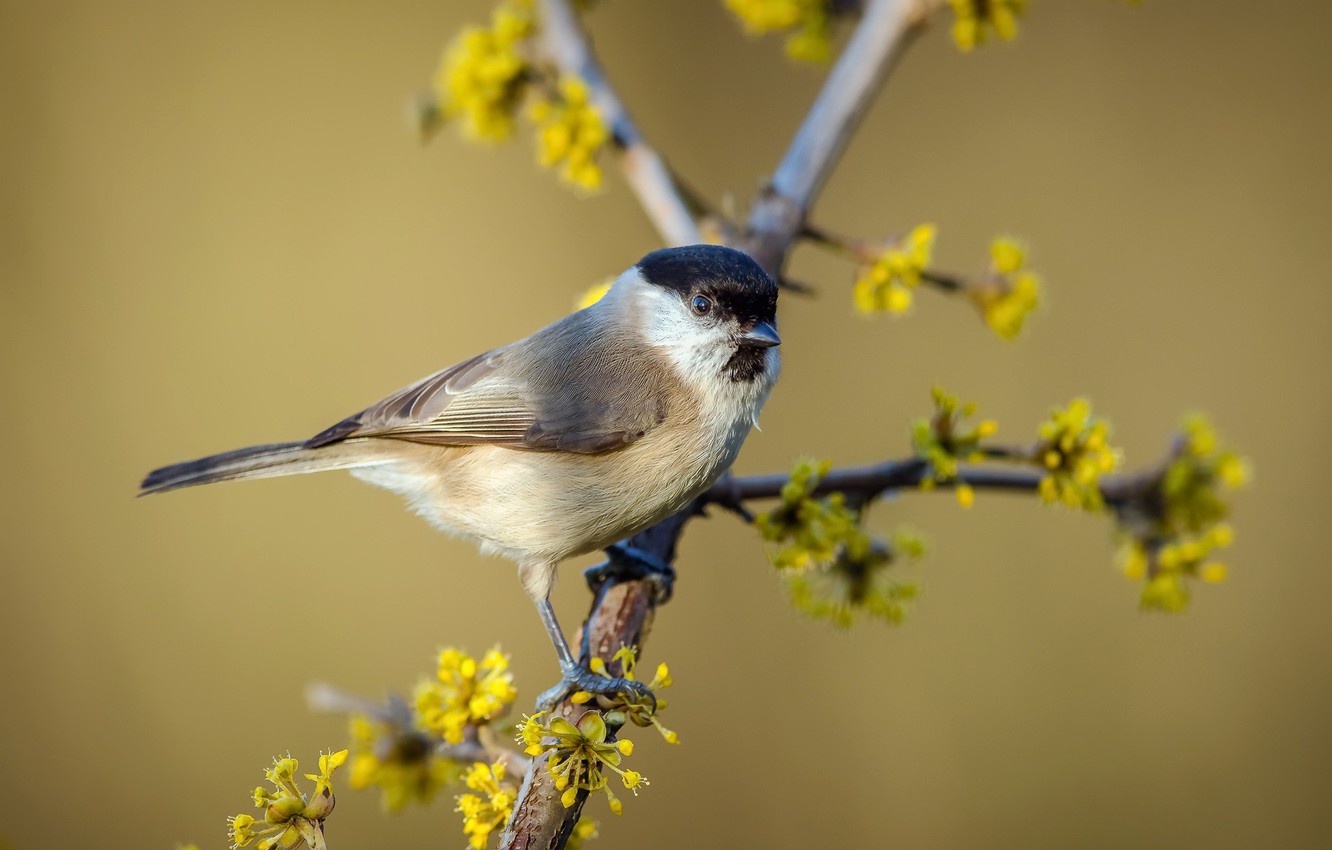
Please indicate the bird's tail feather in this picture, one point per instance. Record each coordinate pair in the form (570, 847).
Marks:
(252, 462)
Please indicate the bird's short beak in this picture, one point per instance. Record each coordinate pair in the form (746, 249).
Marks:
(762, 335)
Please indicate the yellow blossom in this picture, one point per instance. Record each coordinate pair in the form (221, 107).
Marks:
(571, 134)
(1075, 451)
(292, 820)
(465, 692)
(975, 18)
(627, 709)
(946, 442)
(1202, 471)
(402, 763)
(481, 77)
(1174, 529)
(583, 831)
(594, 293)
(813, 530)
(853, 586)
(886, 285)
(579, 756)
(1010, 292)
(832, 569)
(808, 22)
(489, 806)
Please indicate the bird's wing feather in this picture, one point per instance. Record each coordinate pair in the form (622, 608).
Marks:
(506, 397)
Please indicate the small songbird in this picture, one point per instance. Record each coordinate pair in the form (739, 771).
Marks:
(584, 433)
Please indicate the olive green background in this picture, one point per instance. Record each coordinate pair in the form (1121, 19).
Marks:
(216, 229)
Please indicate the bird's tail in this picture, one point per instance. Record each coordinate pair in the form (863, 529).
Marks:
(253, 462)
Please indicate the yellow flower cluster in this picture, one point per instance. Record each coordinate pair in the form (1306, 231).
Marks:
(1174, 536)
(811, 21)
(813, 530)
(945, 442)
(974, 19)
(402, 763)
(489, 806)
(465, 692)
(1197, 476)
(1166, 566)
(850, 587)
(639, 713)
(481, 77)
(571, 134)
(291, 819)
(579, 755)
(887, 284)
(832, 569)
(1010, 292)
(1075, 451)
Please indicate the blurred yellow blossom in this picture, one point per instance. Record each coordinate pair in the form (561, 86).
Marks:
(857, 584)
(1174, 528)
(1010, 292)
(1075, 451)
(594, 293)
(812, 529)
(887, 283)
(832, 569)
(975, 18)
(403, 763)
(571, 134)
(585, 830)
(465, 692)
(489, 805)
(945, 442)
(481, 76)
(810, 20)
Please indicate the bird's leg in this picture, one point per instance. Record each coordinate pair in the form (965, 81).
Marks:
(624, 563)
(578, 677)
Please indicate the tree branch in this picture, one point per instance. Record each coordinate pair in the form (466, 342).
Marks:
(565, 42)
(778, 216)
(622, 610)
(870, 482)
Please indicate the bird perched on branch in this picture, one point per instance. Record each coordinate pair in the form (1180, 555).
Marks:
(581, 435)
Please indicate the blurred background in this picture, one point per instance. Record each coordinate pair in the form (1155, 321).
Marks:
(217, 229)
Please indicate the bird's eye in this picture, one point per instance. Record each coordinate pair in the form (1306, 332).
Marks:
(701, 305)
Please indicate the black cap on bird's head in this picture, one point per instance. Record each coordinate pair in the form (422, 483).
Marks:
(738, 286)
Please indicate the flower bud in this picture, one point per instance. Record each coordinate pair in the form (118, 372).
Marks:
(283, 809)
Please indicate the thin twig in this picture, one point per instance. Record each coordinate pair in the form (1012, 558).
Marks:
(565, 42)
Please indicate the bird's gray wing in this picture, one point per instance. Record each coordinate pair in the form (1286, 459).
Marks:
(576, 403)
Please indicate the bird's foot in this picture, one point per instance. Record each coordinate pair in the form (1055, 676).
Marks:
(628, 563)
(579, 679)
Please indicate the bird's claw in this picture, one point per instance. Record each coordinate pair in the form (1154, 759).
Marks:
(628, 563)
(613, 688)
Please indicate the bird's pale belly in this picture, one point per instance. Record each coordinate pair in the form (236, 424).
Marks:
(548, 506)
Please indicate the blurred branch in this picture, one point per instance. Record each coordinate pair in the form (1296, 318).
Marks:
(478, 745)
(565, 42)
(778, 216)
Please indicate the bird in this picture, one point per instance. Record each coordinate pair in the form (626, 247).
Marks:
(565, 442)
